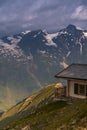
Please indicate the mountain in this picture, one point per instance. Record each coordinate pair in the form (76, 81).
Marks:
(40, 111)
(29, 60)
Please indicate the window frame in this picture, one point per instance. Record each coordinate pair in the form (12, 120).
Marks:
(78, 87)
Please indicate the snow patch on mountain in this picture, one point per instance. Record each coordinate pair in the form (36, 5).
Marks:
(63, 64)
(39, 32)
(44, 31)
(80, 47)
(62, 32)
(80, 44)
(42, 51)
(6, 45)
(30, 57)
(68, 53)
(35, 36)
(49, 38)
(79, 28)
(26, 32)
(85, 34)
(14, 40)
(43, 40)
(5, 48)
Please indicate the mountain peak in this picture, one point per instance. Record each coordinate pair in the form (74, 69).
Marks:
(70, 26)
(72, 29)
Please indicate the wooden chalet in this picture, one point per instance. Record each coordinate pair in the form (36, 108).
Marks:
(76, 76)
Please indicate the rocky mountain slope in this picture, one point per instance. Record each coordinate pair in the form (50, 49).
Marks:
(29, 60)
(41, 112)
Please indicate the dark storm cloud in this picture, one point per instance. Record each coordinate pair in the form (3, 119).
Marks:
(20, 15)
(2, 2)
(57, 14)
(84, 2)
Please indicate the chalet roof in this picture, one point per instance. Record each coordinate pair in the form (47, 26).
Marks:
(74, 71)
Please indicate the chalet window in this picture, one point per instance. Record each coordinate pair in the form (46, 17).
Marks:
(80, 89)
(75, 88)
(86, 90)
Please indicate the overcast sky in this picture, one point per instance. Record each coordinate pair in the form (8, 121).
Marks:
(19, 15)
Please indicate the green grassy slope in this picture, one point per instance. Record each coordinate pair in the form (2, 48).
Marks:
(28, 105)
(55, 116)
(45, 114)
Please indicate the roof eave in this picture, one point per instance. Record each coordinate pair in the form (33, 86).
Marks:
(68, 78)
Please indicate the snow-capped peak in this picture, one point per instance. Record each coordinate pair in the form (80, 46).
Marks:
(78, 28)
(44, 31)
(26, 32)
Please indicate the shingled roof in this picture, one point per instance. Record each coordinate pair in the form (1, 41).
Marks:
(74, 71)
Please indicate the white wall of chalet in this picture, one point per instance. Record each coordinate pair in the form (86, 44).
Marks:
(70, 88)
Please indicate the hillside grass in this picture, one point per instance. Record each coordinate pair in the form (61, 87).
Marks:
(40, 112)
(56, 116)
(41, 117)
(28, 105)
(35, 100)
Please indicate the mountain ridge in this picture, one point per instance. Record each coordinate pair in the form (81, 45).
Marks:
(29, 60)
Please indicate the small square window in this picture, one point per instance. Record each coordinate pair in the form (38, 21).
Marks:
(79, 89)
(82, 89)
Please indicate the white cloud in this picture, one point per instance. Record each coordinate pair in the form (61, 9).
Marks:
(80, 13)
(28, 18)
(19, 15)
(25, 25)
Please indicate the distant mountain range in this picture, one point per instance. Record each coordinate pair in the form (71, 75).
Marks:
(29, 60)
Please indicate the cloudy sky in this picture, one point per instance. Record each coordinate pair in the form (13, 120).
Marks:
(19, 15)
